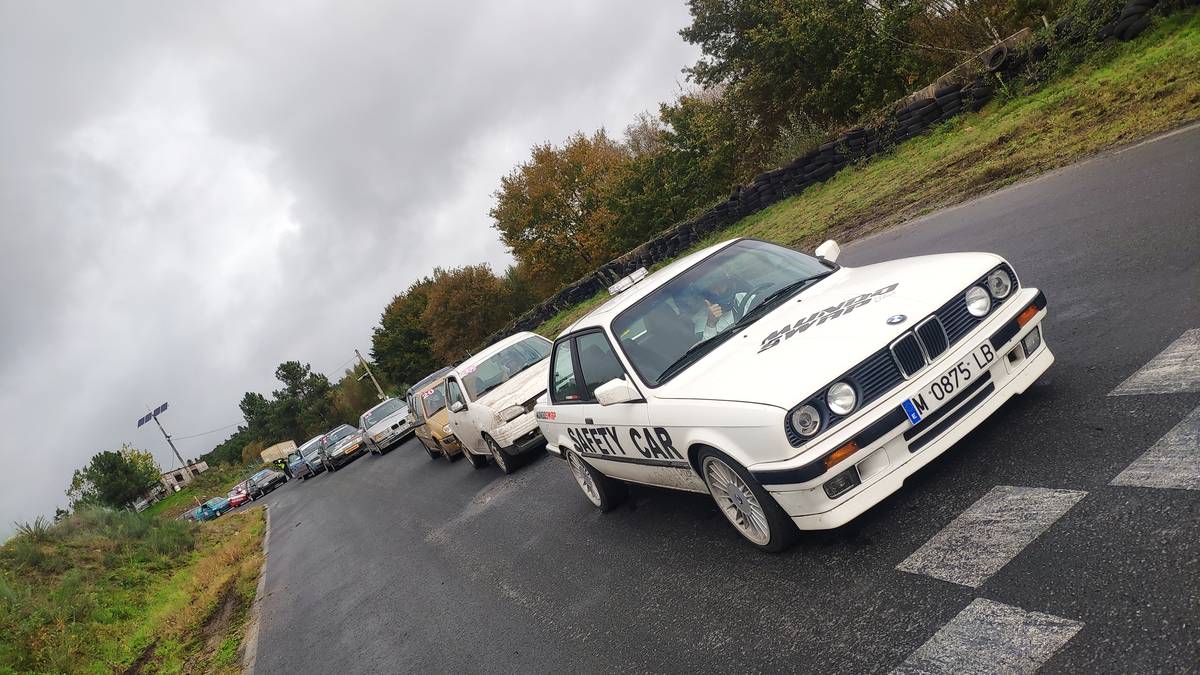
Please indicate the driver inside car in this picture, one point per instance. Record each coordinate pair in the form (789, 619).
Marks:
(707, 318)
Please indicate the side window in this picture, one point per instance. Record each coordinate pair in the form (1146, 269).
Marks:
(597, 362)
(453, 392)
(562, 371)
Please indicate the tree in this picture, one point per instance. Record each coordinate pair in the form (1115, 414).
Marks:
(552, 210)
(114, 478)
(401, 344)
(466, 304)
(831, 60)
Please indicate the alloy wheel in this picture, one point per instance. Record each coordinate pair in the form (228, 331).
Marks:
(737, 501)
(584, 478)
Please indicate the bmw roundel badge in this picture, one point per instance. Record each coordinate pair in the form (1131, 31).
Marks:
(895, 319)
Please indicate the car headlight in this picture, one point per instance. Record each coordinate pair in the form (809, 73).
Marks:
(806, 421)
(1000, 284)
(445, 428)
(510, 413)
(841, 398)
(979, 303)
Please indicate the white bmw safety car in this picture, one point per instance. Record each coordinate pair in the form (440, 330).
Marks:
(797, 392)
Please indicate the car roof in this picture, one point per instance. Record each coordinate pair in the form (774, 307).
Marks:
(494, 348)
(428, 379)
(653, 281)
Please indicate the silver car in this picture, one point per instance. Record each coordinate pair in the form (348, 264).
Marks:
(386, 425)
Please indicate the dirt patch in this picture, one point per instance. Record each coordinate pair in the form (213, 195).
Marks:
(216, 628)
(139, 665)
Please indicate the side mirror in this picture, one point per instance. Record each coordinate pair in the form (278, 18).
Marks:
(457, 406)
(829, 250)
(617, 391)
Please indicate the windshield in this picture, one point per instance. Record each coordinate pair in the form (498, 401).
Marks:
(705, 302)
(434, 400)
(380, 412)
(338, 434)
(260, 475)
(310, 449)
(214, 502)
(503, 365)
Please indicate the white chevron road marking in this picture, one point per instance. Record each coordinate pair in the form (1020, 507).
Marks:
(1175, 370)
(991, 637)
(1172, 462)
(982, 539)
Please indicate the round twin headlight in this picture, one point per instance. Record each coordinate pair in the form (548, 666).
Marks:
(806, 421)
(979, 303)
(841, 398)
(1000, 284)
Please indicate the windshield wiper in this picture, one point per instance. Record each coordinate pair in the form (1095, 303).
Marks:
(706, 345)
(783, 294)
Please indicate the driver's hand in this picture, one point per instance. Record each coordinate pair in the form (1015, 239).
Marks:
(714, 312)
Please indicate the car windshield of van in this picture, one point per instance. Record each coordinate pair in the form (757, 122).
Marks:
(433, 400)
(381, 412)
(685, 318)
(504, 364)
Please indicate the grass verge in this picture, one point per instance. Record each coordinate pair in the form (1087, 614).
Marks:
(108, 591)
(1121, 93)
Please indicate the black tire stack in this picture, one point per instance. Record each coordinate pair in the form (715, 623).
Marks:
(1133, 19)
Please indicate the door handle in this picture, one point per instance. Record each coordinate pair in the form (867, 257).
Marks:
(588, 420)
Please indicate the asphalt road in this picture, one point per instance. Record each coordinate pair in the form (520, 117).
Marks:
(399, 563)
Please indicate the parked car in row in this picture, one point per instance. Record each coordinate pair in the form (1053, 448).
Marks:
(240, 494)
(264, 482)
(385, 426)
(796, 392)
(491, 397)
(306, 461)
(211, 509)
(430, 419)
(341, 446)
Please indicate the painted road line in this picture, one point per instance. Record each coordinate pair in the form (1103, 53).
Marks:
(1173, 462)
(1176, 369)
(992, 637)
(982, 539)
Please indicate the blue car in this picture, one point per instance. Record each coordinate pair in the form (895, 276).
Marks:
(212, 509)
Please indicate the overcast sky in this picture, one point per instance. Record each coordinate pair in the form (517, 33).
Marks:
(193, 192)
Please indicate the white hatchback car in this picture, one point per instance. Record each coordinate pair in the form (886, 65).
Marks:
(796, 392)
(490, 399)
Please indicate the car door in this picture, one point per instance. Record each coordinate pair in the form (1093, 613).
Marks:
(461, 422)
(617, 439)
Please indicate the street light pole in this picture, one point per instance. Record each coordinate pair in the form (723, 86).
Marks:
(379, 389)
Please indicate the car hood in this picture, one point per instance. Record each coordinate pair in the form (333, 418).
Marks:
(764, 364)
(387, 422)
(525, 385)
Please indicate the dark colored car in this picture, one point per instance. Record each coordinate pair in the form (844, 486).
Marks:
(264, 482)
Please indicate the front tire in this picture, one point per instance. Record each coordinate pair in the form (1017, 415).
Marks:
(603, 492)
(428, 450)
(745, 504)
(504, 462)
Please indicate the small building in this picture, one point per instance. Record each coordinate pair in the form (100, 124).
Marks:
(176, 479)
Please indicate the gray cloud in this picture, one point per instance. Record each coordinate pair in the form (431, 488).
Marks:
(191, 193)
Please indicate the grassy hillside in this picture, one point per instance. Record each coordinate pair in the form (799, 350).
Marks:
(1124, 92)
(216, 482)
(108, 591)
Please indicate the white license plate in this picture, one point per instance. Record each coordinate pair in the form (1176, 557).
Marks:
(958, 377)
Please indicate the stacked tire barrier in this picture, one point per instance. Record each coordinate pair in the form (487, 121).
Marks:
(897, 123)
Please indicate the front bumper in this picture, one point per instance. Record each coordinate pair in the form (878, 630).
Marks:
(884, 463)
(520, 435)
(392, 437)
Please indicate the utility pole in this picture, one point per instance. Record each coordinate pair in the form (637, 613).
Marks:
(153, 415)
(382, 396)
